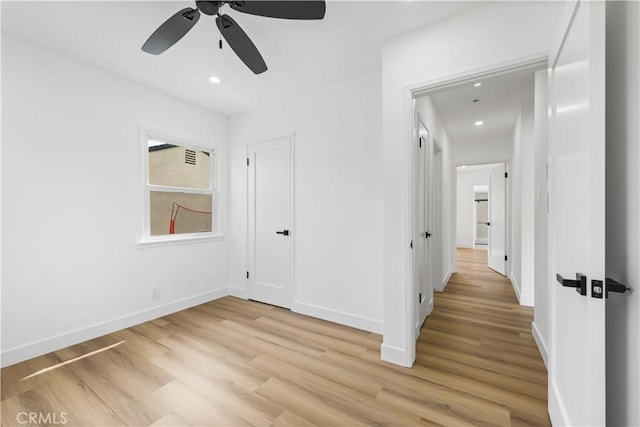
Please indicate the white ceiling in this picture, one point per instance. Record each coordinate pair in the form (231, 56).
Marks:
(501, 98)
(301, 55)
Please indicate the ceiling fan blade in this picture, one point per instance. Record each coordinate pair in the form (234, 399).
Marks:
(171, 31)
(241, 44)
(305, 9)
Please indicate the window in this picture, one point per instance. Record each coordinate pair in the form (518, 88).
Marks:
(180, 192)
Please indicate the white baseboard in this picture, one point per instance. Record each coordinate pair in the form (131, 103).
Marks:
(515, 285)
(542, 345)
(38, 348)
(340, 317)
(465, 246)
(444, 282)
(523, 299)
(526, 300)
(238, 292)
(557, 411)
(395, 355)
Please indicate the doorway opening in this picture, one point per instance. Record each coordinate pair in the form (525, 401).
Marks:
(485, 126)
(481, 216)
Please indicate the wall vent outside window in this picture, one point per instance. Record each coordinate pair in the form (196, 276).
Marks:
(190, 157)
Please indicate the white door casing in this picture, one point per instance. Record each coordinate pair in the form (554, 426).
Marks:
(577, 228)
(498, 220)
(270, 234)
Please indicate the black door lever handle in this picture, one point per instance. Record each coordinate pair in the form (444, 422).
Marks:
(427, 234)
(615, 286)
(580, 283)
(283, 232)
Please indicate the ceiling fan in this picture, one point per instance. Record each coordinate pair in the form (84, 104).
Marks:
(174, 28)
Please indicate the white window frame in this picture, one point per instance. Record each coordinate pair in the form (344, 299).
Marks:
(147, 239)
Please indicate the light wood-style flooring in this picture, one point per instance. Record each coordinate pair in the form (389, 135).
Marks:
(235, 363)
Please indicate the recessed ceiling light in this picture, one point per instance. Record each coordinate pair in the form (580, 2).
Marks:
(479, 123)
(214, 79)
(477, 84)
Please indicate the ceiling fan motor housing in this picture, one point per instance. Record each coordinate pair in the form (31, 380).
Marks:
(209, 7)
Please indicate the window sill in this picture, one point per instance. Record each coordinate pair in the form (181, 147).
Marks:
(151, 242)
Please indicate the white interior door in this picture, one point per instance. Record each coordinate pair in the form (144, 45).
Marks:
(577, 227)
(426, 305)
(269, 221)
(497, 256)
(423, 223)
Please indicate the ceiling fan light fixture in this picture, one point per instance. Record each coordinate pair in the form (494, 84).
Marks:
(173, 29)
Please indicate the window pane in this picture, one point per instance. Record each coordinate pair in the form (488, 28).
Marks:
(177, 213)
(176, 166)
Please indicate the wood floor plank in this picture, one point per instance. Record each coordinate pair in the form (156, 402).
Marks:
(234, 362)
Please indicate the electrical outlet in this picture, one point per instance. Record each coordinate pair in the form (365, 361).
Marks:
(155, 292)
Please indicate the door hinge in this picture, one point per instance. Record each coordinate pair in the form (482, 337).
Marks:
(420, 297)
(247, 274)
(506, 258)
(506, 175)
(411, 244)
(420, 142)
(247, 161)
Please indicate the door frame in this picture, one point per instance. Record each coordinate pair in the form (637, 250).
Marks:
(410, 93)
(438, 241)
(474, 224)
(507, 221)
(292, 235)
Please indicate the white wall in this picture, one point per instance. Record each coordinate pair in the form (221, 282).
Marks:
(522, 254)
(465, 204)
(482, 152)
(623, 212)
(337, 198)
(540, 326)
(426, 109)
(73, 205)
(450, 48)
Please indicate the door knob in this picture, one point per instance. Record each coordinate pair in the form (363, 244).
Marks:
(488, 223)
(283, 232)
(580, 283)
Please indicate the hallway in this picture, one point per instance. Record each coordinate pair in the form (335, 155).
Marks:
(479, 338)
